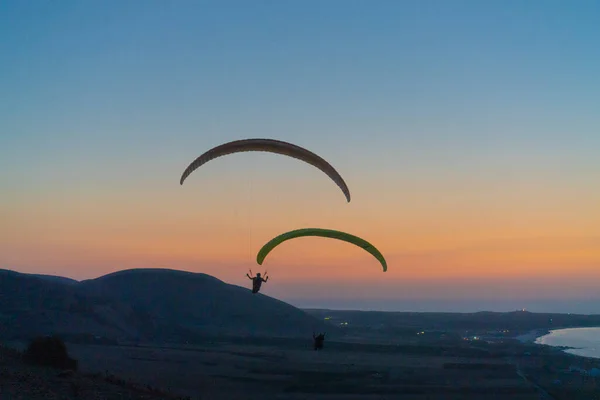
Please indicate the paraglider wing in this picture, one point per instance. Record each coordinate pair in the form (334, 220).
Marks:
(271, 146)
(328, 233)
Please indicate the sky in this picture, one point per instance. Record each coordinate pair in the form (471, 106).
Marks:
(468, 133)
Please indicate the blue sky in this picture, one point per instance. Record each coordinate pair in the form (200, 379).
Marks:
(118, 96)
(189, 65)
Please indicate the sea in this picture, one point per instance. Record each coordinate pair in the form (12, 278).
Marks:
(585, 341)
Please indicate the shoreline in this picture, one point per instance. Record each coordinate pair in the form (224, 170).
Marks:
(532, 336)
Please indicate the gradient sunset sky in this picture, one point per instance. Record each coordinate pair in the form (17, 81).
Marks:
(468, 133)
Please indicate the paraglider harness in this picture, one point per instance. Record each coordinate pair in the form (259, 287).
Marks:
(319, 341)
(257, 281)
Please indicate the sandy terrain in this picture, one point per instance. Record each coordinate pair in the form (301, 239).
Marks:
(292, 370)
(263, 372)
(21, 381)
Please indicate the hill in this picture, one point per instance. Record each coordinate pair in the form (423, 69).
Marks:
(31, 305)
(200, 303)
(156, 305)
(59, 279)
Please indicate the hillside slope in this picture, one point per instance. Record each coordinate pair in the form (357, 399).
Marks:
(143, 305)
(19, 380)
(31, 306)
(201, 303)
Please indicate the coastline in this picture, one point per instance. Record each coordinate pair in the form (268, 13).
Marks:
(532, 336)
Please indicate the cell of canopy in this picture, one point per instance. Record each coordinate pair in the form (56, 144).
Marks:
(271, 146)
(326, 233)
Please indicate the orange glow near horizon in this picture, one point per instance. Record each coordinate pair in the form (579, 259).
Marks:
(90, 234)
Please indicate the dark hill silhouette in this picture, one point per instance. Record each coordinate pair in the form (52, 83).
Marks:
(59, 279)
(202, 304)
(31, 305)
(143, 305)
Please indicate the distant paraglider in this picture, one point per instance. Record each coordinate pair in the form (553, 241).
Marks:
(328, 233)
(272, 146)
(318, 341)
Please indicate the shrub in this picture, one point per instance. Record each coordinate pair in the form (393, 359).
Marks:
(49, 351)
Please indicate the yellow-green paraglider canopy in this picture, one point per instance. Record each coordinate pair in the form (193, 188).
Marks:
(328, 233)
